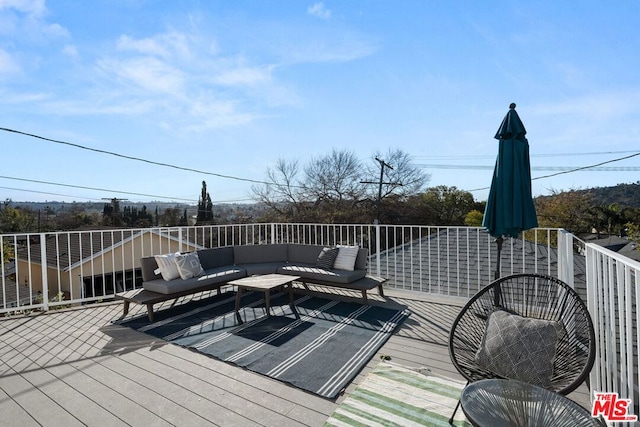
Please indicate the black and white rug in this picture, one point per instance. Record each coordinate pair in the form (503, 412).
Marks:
(321, 348)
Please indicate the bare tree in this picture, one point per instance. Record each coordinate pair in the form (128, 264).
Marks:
(403, 178)
(335, 176)
(332, 187)
(282, 192)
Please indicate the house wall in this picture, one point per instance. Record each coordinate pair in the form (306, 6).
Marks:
(123, 257)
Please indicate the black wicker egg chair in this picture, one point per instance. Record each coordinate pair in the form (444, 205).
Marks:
(558, 333)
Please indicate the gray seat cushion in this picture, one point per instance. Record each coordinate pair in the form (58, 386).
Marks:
(148, 265)
(256, 254)
(261, 268)
(215, 257)
(315, 273)
(303, 254)
(210, 277)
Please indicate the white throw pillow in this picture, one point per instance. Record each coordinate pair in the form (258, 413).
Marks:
(346, 259)
(167, 265)
(188, 265)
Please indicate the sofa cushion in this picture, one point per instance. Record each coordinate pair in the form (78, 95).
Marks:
(167, 266)
(346, 259)
(212, 277)
(361, 260)
(261, 267)
(188, 265)
(215, 257)
(519, 348)
(148, 266)
(327, 258)
(306, 254)
(250, 254)
(317, 274)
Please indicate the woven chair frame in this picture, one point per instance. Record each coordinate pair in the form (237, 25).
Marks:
(533, 296)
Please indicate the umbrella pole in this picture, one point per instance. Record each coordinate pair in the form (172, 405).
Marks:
(496, 275)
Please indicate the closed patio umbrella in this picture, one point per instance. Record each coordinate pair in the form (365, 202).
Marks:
(510, 208)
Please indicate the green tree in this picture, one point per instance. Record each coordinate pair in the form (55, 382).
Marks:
(7, 251)
(111, 214)
(13, 220)
(571, 210)
(473, 218)
(447, 205)
(171, 217)
(205, 207)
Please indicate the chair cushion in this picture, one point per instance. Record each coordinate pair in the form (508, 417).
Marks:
(346, 258)
(148, 265)
(519, 348)
(319, 275)
(327, 258)
(248, 254)
(305, 254)
(188, 265)
(167, 266)
(215, 257)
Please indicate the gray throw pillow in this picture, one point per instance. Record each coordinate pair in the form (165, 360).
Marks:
(326, 258)
(188, 265)
(519, 348)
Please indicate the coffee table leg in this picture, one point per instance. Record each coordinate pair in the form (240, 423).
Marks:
(238, 296)
(267, 301)
(291, 301)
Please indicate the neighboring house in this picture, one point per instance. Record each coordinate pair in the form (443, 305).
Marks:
(87, 264)
(621, 245)
(453, 260)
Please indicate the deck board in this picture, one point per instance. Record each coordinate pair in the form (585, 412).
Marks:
(76, 367)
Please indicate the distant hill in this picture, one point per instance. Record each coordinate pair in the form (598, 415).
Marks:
(625, 195)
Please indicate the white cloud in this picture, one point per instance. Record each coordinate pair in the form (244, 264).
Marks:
(70, 50)
(30, 7)
(8, 65)
(145, 73)
(319, 10)
(163, 45)
(244, 76)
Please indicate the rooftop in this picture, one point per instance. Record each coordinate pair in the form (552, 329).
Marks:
(77, 367)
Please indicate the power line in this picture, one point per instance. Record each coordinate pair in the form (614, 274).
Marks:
(95, 188)
(572, 170)
(492, 156)
(48, 193)
(135, 158)
(538, 168)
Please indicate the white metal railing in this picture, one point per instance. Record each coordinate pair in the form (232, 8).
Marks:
(86, 266)
(42, 271)
(612, 298)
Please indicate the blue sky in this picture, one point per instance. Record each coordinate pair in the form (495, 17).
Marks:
(229, 87)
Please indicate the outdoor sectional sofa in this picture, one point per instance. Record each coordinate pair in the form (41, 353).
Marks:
(224, 264)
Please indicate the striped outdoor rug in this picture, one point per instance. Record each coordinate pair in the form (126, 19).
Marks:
(393, 395)
(321, 348)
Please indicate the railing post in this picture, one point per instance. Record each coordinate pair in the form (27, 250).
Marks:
(273, 233)
(565, 257)
(45, 280)
(377, 226)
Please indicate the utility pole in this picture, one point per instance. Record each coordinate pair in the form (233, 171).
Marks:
(380, 182)
(116, 215)
(376, 221)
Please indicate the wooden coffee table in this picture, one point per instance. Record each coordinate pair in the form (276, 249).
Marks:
(265, 283)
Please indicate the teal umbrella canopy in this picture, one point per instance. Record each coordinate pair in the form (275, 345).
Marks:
(510, 209)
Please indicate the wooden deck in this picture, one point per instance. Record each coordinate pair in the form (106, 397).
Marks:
(76, 367)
